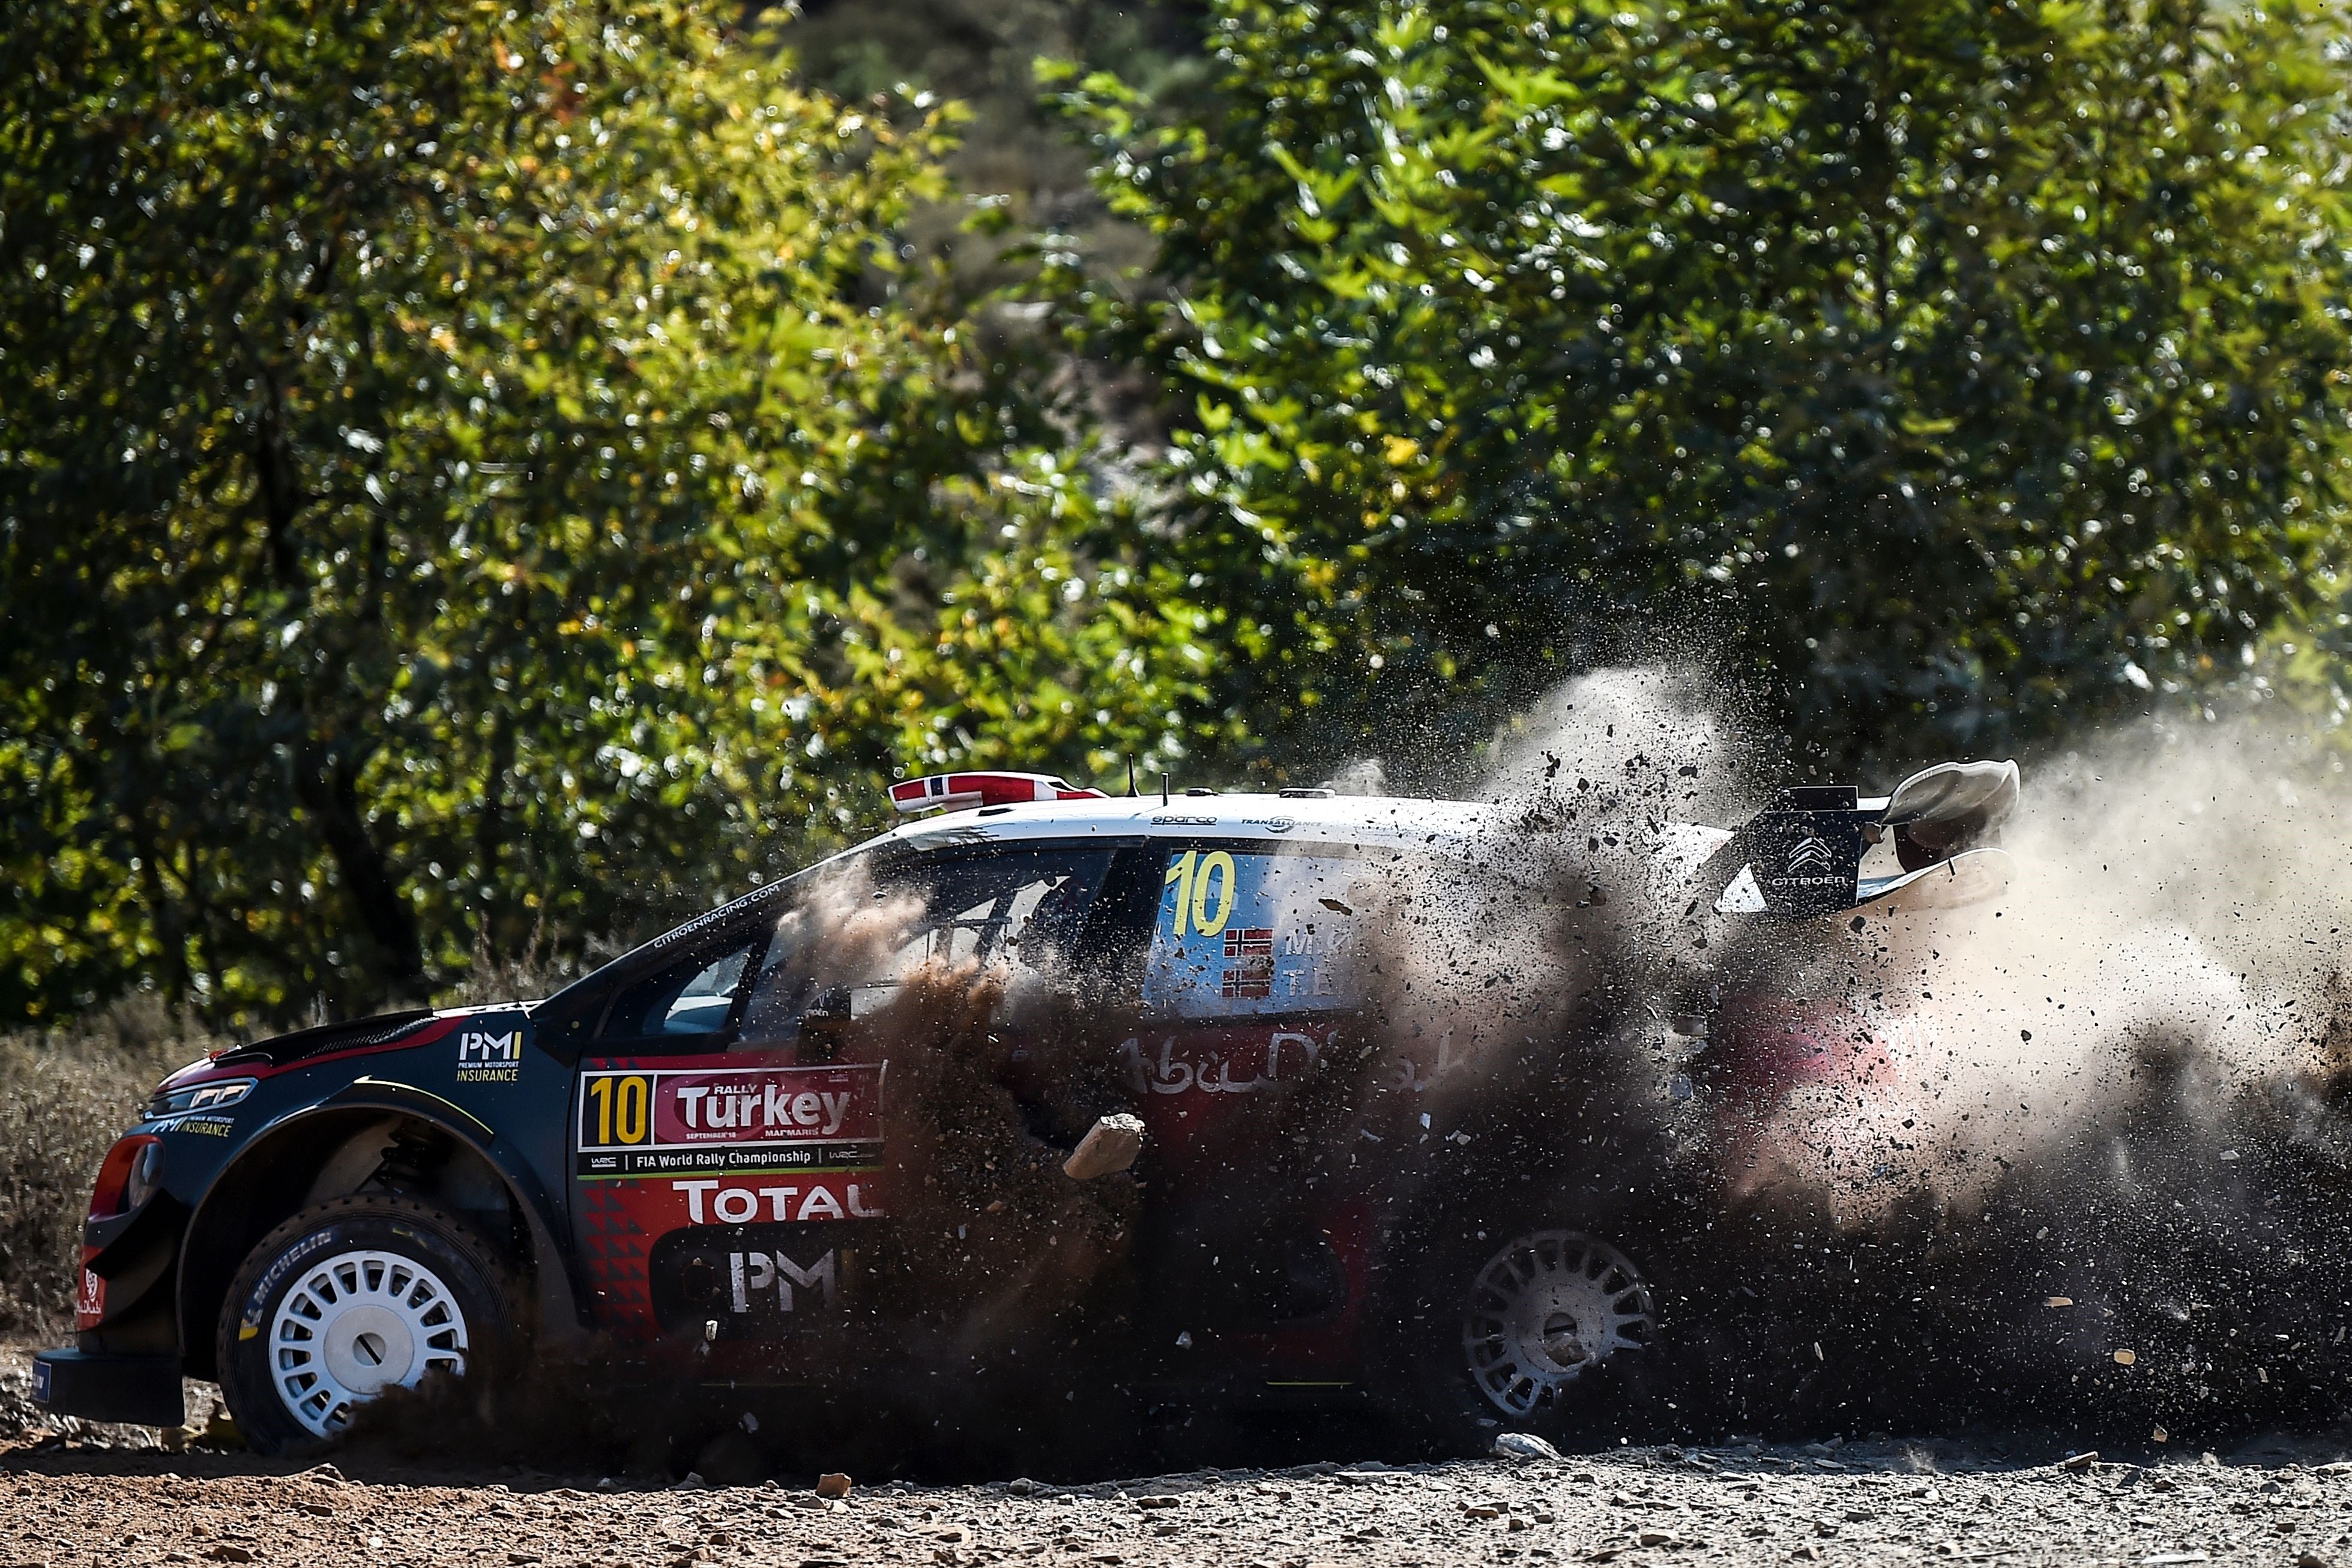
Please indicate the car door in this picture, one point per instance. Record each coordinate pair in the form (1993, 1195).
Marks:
(729, 1122)
(1250, 981)
(672, 1134)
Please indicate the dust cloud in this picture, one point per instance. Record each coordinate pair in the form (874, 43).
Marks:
(2077, 1154)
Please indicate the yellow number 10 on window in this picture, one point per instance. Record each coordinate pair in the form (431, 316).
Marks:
(1192, 876)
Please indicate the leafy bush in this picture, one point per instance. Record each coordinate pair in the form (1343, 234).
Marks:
(65, 1097)
(469, 472)
(1964, 369)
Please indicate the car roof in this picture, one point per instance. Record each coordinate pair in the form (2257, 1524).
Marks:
(1369, 821)
(1372, 820)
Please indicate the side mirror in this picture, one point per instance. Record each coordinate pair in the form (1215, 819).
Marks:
(818, 1034)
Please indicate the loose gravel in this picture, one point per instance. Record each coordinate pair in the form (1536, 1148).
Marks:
(63, 1503)
(72, 1494)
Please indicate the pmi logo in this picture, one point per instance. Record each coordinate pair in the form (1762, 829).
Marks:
(484, 1058)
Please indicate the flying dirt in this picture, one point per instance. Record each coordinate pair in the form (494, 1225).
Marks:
(2075, 1153)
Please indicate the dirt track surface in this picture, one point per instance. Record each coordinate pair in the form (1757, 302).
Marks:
(72, 1505)
(96, 1497)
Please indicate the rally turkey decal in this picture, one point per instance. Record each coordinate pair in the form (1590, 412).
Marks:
(698, 1176)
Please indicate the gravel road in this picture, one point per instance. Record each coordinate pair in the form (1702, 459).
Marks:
(75, 1494)
(68, 1504)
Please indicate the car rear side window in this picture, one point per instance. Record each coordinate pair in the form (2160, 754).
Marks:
(1244, 933)
(843, 952)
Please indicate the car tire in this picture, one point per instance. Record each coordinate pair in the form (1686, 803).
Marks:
(349, 1298)
(1535, 1325)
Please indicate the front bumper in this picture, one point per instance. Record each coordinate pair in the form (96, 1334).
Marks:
(142, 1390)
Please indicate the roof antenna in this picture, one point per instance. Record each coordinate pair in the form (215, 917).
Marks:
(1131, 791)
(1163, 789)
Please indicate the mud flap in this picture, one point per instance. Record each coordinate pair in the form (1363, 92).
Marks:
(141, 1389)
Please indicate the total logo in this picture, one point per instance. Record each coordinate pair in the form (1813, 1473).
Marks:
(485, 1057)
(712, 1201)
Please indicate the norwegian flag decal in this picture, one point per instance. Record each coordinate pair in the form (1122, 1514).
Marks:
(961, 791)
(1250, 952)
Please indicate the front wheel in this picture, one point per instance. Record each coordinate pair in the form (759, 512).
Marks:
(1529, 1328)
(349, 1298)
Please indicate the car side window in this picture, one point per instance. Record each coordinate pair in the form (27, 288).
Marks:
(843, 952)
(688, 1000)
(701, 1007)
(1244, 933)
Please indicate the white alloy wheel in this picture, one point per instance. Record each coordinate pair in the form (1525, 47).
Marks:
(357, 1324)
(1545, 1309)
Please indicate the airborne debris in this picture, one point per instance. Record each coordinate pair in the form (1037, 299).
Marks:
(1109, 1146)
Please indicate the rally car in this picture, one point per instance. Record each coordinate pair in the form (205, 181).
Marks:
(688, 1153)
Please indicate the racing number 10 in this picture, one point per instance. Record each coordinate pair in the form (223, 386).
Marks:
(620, 1109)
(1192, 876)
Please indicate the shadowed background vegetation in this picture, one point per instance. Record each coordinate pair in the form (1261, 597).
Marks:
(477, 483)
(65, 1097)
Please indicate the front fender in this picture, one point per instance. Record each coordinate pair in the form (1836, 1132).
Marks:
(232, 1217)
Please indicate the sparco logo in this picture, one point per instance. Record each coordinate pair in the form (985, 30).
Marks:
(484, 1058)
(1810, 854)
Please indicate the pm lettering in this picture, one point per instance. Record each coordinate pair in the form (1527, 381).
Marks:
(485, 1057)
(752, 1274)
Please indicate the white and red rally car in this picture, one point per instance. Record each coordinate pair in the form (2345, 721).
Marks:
(731, 1152)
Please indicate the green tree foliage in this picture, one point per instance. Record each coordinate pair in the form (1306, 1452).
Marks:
(1954, 369)
(470, 471)
(979, 53)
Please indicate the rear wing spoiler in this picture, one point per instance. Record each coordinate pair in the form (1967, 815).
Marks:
(1801, 855)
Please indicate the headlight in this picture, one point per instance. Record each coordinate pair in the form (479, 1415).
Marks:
(132, 1171)
(146, 1175)
(199, 1097)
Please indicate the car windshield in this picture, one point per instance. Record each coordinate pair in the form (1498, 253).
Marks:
(844, 949)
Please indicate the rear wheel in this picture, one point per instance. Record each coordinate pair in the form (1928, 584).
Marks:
(1549, 1308)
(1530, 1327)
(349, 1299)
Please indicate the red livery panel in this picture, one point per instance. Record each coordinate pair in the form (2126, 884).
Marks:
(740, 1150)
